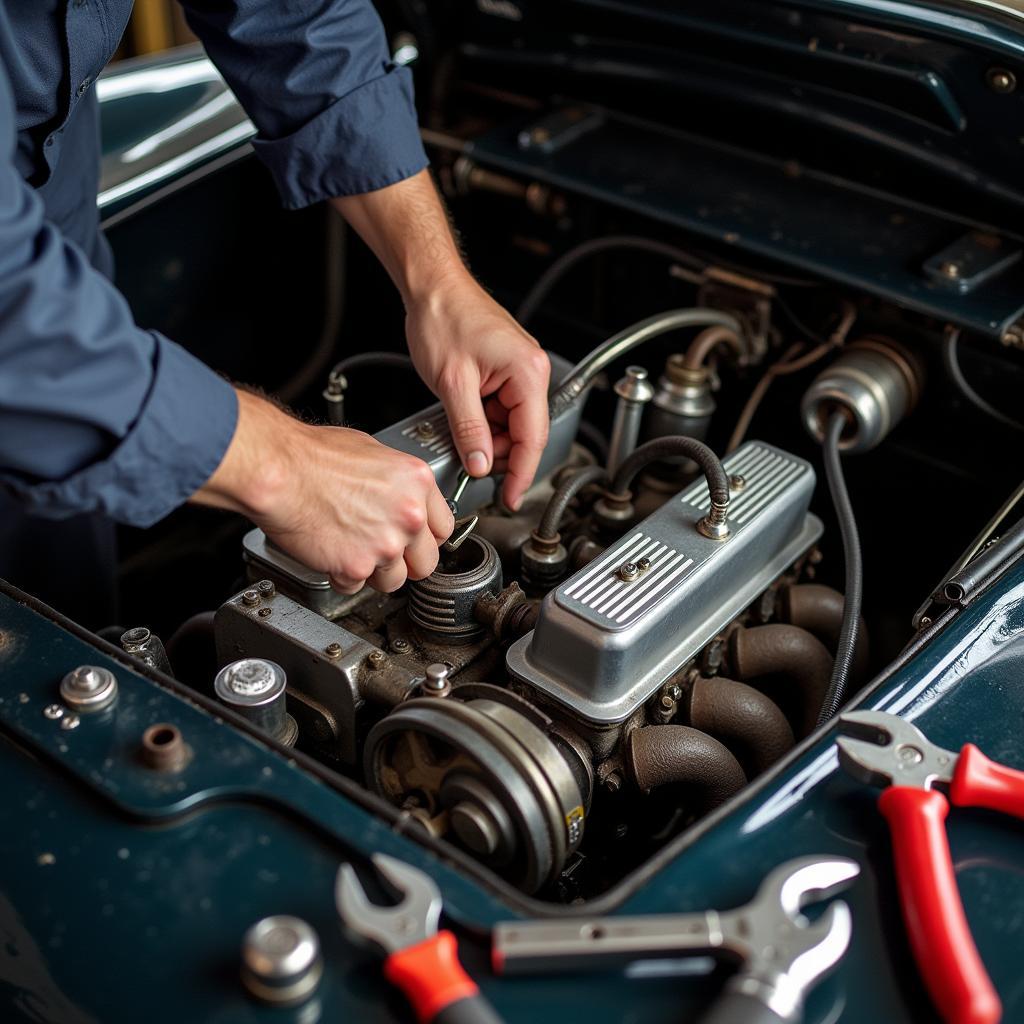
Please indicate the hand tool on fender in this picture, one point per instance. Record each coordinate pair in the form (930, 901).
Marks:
(781, 954)
(463, 527)
(885, 750)
(420, 960)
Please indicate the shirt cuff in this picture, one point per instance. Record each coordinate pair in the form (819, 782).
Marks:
(172, 449)
(365, 141)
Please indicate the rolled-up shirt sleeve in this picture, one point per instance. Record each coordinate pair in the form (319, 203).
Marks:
(335, 116)
(95, 413)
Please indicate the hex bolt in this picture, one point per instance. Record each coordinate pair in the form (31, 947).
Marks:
(266, 588)
(281, 962)
(333, 649)
(53, 712)
(70, 722)
(436, 682)
(643, 564)
(89, 687)
(250, 598)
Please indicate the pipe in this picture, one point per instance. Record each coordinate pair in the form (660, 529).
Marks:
(819, 610)
(564, 493)
(713, 524)
(744, 719)
(789, 651)
(707, 341)
(634, 392)
(660, 755)
(583, 373)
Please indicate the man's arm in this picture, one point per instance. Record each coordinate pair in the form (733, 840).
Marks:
(465, 346)
(336, 121)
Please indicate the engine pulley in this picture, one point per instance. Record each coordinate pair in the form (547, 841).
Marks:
(483, 776)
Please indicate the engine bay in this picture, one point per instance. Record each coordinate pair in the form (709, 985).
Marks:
(585, 680)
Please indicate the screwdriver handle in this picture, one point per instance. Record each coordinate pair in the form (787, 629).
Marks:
(434, 981)
(980, 782)
(932, 910)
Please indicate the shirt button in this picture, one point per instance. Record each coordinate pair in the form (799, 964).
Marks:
(49, 140)
(86, 82)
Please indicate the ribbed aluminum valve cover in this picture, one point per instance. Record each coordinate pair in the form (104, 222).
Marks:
(603, 644)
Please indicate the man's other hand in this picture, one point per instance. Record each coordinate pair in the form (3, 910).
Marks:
(335, 499)
(491, 376)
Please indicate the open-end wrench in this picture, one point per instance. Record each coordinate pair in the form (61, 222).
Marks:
(781, 955)
(884, 750)
(420, 960)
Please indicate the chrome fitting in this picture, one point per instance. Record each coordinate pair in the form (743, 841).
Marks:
(714, 525)
(89, 688)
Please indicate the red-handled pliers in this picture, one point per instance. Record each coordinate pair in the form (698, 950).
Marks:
(420, 960)
(884, 750)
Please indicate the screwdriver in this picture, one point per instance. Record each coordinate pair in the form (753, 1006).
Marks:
(463, 527)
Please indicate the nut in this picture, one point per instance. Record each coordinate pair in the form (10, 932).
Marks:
(266, 588)
(250, 598)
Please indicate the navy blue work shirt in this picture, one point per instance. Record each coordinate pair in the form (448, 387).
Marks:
(96, 413)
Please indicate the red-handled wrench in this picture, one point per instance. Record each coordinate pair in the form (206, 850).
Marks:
(420, 960)
(884, 750)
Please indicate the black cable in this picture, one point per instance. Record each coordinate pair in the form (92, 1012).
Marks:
(951, 362)
(836, 693)
(539, 292)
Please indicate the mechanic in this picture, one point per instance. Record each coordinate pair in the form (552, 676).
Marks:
(102, 421)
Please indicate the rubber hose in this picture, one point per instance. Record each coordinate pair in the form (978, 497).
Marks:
(846, 647)
(660, 755)
(564, 493)
(749, 723)
(665, 447)
(787, 651)
(819, 610)
(363, 360)
(539, 292)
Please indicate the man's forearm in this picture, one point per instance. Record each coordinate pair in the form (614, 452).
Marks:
(406, 226)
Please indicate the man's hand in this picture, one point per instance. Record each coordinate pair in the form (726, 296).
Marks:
(335, 499)
(468, 350)
(474, 356)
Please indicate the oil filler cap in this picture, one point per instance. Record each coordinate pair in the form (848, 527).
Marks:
(281, 961)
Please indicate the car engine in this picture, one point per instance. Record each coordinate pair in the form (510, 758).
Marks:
(740, 317)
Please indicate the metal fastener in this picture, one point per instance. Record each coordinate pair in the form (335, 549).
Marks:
(1001, 80)
(250, 597)
(266, 588)
(89, 688)
(737, 482)
(628, 572)
(53, 712)
(436, 682)
(164, 748)
(950, 269)
(70, 722)
(281, 961)
(643, 564)
(400, 645)
(377, 659)
(333, 650)
(263, 613)
(426, 430)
